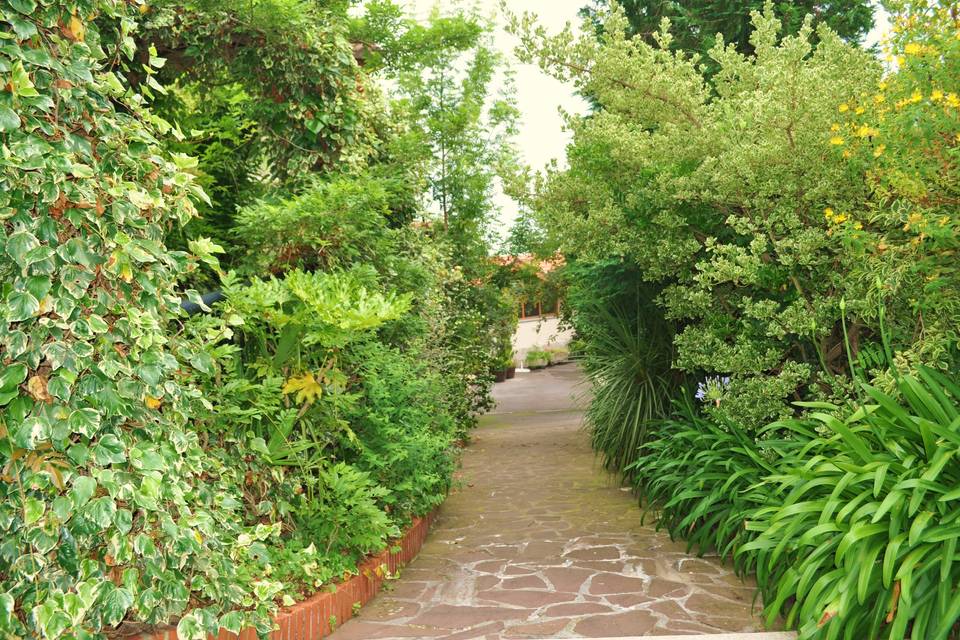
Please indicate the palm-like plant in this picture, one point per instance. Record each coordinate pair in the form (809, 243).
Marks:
(627, 357)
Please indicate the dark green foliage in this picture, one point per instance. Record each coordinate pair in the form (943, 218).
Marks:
(334, 224)
(293, 59)
(626, 352)
(223, 138)
(405, 425)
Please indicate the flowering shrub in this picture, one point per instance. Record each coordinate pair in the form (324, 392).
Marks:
(756, 202)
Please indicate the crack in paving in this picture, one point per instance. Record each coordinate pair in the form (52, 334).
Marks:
(540, 542)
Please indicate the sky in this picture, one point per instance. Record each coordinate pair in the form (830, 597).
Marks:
(541, 98)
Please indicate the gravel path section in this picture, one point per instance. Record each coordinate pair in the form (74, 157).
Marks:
(540, 542)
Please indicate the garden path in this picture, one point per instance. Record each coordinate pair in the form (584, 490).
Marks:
(539, 542)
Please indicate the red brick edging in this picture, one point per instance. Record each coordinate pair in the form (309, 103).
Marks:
(311, 618)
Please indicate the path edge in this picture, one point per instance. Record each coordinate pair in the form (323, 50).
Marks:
(322, 613)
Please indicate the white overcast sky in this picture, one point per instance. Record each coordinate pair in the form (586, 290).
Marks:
(540, 98)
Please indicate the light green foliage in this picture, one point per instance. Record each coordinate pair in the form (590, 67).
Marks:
(696, 25)
(462, 133)
(864, 540)
(718, 191)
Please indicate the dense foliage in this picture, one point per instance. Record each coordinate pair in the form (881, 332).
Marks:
(768, 238)
(158, 468)
(759, 201)
(847, 516)
(696, 25)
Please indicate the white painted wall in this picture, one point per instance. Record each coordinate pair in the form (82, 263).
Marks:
(540, 332)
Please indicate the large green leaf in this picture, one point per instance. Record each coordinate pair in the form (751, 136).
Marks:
(21, 306)
(9, 120)
(115, 604)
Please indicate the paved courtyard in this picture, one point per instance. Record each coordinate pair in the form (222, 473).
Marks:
(540, 542)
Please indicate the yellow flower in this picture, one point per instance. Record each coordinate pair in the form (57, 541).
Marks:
(835, 127)
(879, 150)
(836, 140)
(953, 100)
(828, 213)
(901, 60)
(859, 111)
(863, 131)
(937, 95)
(879, 98)
(858, 225)
(882, 85)
(840, 218)
(306, 387)
(847, 153)
(843, 108)
(916, 96)
(151, 402)
(912, 49)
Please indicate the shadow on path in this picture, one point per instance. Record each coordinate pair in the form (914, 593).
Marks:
(540, 542)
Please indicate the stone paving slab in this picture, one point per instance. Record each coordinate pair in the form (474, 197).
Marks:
(540, 542)
(771, 635)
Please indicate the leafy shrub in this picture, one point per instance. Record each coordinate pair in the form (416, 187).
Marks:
(557, 355)
(346, 516)
(537, 358)
(405, 427)
(94, 409)
(333, 224)
(847, 516)
(756, 200)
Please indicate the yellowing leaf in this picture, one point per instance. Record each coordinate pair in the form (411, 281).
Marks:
(37, 386)
(306, 387)
(151, 402)
(76, 28)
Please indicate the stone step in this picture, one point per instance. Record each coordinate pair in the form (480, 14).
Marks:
(762, 635)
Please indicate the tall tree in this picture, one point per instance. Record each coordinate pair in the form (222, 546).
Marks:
(463, 132)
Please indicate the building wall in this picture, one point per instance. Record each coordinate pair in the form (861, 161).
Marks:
(540, 332)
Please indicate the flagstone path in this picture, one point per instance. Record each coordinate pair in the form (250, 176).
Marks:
(540, 542)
